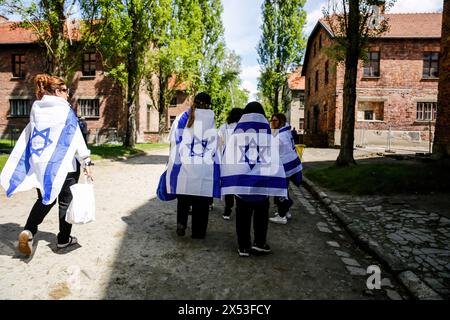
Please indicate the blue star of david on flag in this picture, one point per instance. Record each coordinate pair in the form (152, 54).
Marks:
(40, 138)
(193, 147)
(246, 151)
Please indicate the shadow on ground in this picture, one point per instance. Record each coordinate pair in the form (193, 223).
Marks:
(154, 263)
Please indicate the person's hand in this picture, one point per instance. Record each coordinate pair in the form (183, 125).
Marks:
(88, 172)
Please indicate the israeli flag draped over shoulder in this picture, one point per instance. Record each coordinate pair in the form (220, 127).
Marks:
(289, 156)
(193, 167)
(251, 162)
(45, 151)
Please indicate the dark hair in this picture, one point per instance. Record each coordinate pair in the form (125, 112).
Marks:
(281, 119)
(254, 107)
(235, 115)
(201, 101)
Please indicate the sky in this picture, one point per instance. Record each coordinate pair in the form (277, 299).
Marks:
(242, 21)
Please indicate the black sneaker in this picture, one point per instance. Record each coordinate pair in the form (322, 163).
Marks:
(244, 252)
(261, 250)
(181, 230)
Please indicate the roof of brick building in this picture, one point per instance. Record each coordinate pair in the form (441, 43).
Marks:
(408, 25)
(401, 25)
(295, 80)
(9, 34)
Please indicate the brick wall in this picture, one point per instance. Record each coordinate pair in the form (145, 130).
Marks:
(400, 87)
(322, 99)
(111, 118)
(442, 142)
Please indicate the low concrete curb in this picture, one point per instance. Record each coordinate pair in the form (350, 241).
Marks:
(416, 287)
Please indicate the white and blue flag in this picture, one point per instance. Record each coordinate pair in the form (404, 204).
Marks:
(45, 151)
(193, 167)
(289, 156)
(251, 162)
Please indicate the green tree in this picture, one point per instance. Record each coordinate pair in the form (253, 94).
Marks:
(352, 23)
(281, 46)
(131, 30)
(174, 56)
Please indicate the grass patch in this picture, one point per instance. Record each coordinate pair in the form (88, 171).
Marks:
(383, 179)
(5, 145)
(3, 158)
(105, 151)
(111, 151)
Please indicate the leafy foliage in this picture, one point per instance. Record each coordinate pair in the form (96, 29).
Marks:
(281, 46)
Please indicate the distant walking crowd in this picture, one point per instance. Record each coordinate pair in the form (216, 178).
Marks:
(245, 162)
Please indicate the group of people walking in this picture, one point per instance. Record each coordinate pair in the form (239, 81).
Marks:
(246, 162)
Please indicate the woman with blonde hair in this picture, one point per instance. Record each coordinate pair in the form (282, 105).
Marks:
(47, 156)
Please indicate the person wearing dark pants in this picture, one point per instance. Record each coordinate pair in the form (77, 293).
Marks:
(245, 209)
(193, 172)
(39, 210)
(229, 204)
(283, 204)
(52, 149)
(200, 213)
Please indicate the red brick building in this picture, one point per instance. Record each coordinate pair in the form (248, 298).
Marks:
(93, 95)
(441, 145)
(396, 88)
(295, 95)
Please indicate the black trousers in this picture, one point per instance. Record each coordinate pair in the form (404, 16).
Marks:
(229, 203)
(39, 210)
(244, 212)
(283, 204)
(200, 213)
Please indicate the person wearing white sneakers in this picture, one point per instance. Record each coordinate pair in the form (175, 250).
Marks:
(225, 131)
(47, 157)
(291, 163)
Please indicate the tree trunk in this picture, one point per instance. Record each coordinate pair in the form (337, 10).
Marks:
(441, 146)
(162, 110)
(130, 136)
(275, 99)
(345, 157)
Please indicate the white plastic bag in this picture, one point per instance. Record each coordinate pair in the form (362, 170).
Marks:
(82, 208)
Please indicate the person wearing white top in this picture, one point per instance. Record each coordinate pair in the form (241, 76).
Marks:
(225, 131)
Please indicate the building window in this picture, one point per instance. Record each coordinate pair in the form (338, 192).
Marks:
(320, 41)
(314, 50)
(326, 71)
(173, 101)
(301, 124)
(18, 65)
(149, 112)
(309, 86)
(172, 119)
(370, 111)
(372, 66)
(19, 107)
(89, 107)
(368, 115)
(308, 119)
(89, 60)
(430, 65)
(316, 83)
(426, 111)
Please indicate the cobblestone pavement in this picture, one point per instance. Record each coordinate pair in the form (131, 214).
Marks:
(410, 233)
(133, 252)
